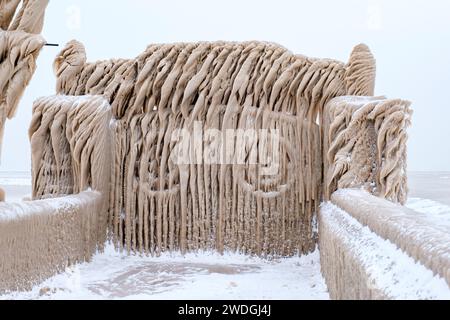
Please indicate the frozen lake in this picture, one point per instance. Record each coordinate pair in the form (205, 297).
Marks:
(425, 185)
(430, 185)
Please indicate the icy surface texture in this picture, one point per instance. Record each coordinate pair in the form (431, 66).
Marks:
(71, 148)
(359, 264)
(71, 153)
(423, 238)
(21, 23)
(160, 205)
(201, 275)
(41, 238)
(365, 145)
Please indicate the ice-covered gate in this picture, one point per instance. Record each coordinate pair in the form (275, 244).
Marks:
(251, 180)
(226, 146)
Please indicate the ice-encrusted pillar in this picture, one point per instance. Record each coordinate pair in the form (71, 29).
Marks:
(365, 145)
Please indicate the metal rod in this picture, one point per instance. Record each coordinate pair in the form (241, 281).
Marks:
(52, 45)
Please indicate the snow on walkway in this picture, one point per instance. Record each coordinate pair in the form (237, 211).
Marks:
(112, 275)
(206, 275)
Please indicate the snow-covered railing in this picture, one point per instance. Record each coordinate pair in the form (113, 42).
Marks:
(359, 264)
(374, 249)
(41, 238)
(71, 152)
(421, 238)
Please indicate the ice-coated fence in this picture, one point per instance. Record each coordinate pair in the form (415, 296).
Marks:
(41, 238)
(421, 238)
(374, 249)
(243, 116)
(66, 223)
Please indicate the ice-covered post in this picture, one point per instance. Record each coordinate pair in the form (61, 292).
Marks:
(365, 145)
(21, 22)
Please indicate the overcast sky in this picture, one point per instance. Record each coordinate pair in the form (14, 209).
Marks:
(409, 38)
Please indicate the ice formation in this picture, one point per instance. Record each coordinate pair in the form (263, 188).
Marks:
(67, 221)
(29, 18)
(226, 146)
(365, 145)
(360, 264)
(423, 240)
(42, 238)
(20, 44)
(159, 204)
(71, 148)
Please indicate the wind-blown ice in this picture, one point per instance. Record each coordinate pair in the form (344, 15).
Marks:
(365, 145)
(20, 44)
(160, 205)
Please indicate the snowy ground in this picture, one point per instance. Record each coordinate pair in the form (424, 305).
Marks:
(205, 275)
(196, 276)
(112, 275)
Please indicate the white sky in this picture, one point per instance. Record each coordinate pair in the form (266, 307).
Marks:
(409, 38)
